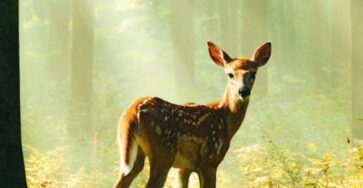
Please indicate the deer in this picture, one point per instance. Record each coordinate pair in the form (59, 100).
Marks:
(188, 137)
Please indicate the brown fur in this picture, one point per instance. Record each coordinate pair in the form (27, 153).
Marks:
(193, 137)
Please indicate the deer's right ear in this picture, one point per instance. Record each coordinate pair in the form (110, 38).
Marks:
(219, 56)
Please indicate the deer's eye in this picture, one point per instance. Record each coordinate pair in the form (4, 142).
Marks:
(230, 75)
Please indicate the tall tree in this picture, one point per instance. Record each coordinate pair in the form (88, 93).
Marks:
(182, 31)
(12, 172)
(340, 41)
(289, 12)
(290, 64)
(320, 45)
(225, 25)
(59, 20)
(234, 29)
(212, 23)
(357, 68)
(229, 26)
(82, 68)
(278, 20)
(255, 32)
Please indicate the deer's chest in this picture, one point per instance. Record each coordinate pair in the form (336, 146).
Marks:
(187, 151)
(194, 152)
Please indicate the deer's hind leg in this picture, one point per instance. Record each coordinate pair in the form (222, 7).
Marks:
(161, 159)
(159, 169)
(158, 139)
(125, 180)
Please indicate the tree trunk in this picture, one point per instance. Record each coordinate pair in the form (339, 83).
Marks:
(255, 33)
(357, 68)
(59, 20)
(290, 35)
(225, 25)
(278, 21)
(340, 42)
(212, 23)
(12, 172)
(182, 31)
(234, 33)
(320, 45)
(82, 69)
(290, 61)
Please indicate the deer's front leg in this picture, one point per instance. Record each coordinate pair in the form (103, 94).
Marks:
(183, 178)
(207, 177)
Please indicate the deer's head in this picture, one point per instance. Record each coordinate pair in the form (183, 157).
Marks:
(241, 72)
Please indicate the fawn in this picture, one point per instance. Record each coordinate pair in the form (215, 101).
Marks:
(189, 137)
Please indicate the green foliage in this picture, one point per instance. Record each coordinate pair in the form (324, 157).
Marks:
(267, 165)
(47, 169)
(51, 169)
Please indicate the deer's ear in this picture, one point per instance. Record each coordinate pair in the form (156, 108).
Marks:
(219, 56)
(262, 54)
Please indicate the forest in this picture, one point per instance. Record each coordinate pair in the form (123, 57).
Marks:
(82, 62)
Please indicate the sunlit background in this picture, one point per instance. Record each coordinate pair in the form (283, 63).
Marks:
(84, 61)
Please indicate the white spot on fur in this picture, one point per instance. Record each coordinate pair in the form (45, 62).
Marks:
(220, 146)
(158, 130)
(144, 110)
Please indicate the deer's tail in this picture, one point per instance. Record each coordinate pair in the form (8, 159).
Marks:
(127, 145)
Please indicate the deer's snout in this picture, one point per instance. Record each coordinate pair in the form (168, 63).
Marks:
(244, 91)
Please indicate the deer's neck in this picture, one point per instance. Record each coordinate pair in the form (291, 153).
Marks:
(234, 110)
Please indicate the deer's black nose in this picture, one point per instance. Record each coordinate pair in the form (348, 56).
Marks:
(244, 91)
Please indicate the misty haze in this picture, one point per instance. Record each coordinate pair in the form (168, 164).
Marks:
(83, 62)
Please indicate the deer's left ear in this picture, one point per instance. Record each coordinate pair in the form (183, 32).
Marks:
(262, 54)
(218, 55)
